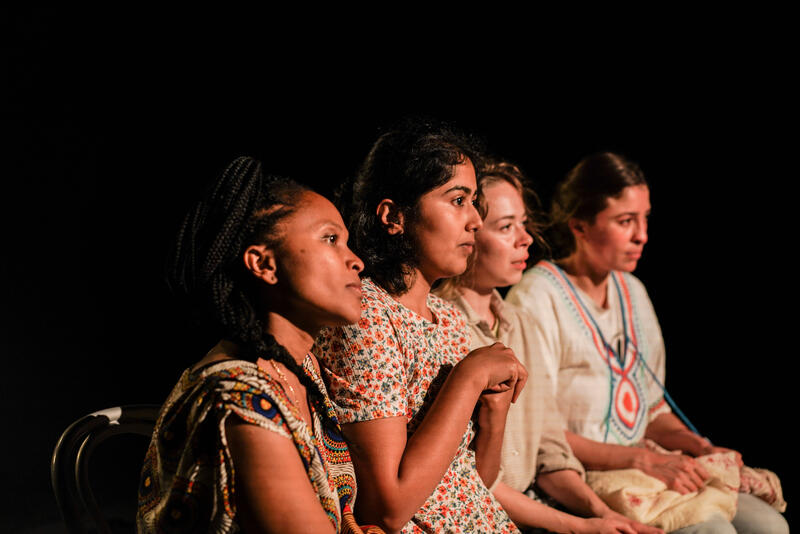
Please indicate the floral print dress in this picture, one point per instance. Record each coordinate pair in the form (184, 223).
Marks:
(392, 364)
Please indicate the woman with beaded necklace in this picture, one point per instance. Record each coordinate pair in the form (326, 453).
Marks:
(248, 440)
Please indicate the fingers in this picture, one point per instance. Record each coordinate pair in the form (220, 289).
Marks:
(520, 385)
(683, 483)
(701, 471)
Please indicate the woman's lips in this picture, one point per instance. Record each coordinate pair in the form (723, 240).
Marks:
(521, 263)
(355, 287)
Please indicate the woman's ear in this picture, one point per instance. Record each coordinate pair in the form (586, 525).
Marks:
(390, 216)
(260, 261)
(577, 227)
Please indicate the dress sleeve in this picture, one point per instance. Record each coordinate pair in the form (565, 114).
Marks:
(261, 408)
(543, 330)
(555, 454)
(364, 367)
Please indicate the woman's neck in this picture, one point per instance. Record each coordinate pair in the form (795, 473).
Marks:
(593, 281)
(480, 300)
(296, 340)
(416, 298)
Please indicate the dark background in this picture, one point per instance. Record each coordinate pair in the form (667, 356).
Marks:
(110, 129)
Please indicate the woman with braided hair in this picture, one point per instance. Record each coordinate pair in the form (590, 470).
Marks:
(247, 440)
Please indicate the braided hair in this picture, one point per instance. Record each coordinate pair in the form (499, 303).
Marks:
(242, 208)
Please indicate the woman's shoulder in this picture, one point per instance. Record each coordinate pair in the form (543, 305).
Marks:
(375, 299)
(633, 285)
(241, 387)
(540, 283)
(632, 280)
(447, 310)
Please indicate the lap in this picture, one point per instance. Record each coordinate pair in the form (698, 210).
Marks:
(753, 516)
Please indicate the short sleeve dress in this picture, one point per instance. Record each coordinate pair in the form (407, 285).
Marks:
(188, 479)
(392, 364)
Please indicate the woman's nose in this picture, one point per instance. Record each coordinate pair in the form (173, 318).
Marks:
(474, 223)
(524, 239)
(354, 262)
(640, 236)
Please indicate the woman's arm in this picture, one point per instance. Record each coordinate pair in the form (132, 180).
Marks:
(397, 474)
(670, 432)
(488, 441)
(567, 487)
(273, 493)
(527, 513)
(678, 471)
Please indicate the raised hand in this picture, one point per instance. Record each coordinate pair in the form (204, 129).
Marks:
(496, 369)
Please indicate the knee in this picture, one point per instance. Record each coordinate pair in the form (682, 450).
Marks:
(754, 516)
(715, 525)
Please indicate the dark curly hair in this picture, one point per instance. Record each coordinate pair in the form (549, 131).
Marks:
(584, 193)
(411, 159)
(205, 267)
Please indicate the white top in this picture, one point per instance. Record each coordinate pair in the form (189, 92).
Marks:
(601, 395)
(534, 441)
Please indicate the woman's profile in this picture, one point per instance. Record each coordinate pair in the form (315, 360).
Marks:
(403, 379)
(247, 440)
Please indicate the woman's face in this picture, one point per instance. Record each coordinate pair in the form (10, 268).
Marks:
(445, 225)
(317, 273)
(502, 243)
(614, 241)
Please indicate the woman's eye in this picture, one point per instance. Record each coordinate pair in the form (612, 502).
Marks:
(625, 222)
(332, 238)
(458, 201)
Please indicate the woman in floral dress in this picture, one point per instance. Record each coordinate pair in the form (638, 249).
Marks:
(403, 379)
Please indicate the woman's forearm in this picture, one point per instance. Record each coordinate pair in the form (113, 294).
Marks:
(604, 456)
(567, 487)
(528, 513)
(396, 476)
(669, 432)
(488, 440)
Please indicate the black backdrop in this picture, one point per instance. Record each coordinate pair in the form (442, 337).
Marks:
(108, 134)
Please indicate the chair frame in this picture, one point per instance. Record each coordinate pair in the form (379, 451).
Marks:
(69, 466)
